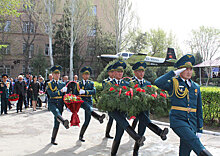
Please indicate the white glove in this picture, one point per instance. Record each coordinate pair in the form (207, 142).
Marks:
(64, 89)
(199, 135)
(81, 91)
(68, 109)
(178, 71)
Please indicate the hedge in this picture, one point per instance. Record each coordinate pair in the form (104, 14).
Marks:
(210, 99)
(215, 81)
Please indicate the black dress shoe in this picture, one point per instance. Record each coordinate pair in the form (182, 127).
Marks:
(81, 139)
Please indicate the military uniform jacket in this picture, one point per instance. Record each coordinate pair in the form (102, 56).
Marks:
(180, 118)
(104, 82)
(122, 82)
(6, 89)
(54, 90)
(89, 90)
(134, 81)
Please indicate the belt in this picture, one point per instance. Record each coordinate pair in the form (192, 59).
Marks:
(187, 109)
(85, 95)
(57, 97)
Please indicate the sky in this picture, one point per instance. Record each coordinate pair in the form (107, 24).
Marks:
(178, 16)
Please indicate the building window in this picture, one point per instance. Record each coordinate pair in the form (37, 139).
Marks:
(5, 69)
(5, 26)
(93, 11)
(46, 52)
(91, 51)
(5, 48)
(31, 49)
(28, 27)
(30, 69)
(91, 31)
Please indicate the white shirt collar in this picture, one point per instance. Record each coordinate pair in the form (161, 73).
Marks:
(187, 81)
(139, 79)
(110, 79)
(84, 82)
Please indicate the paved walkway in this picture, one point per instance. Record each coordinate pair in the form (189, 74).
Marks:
(28, 133)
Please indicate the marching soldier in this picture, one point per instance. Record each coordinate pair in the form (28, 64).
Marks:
(56, 89)
(5, 89)
(139, 70)
(104, 82)
(186, 117)
(120, 117)
(87, 90)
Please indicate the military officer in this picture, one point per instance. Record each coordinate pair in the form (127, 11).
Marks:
(104, 82)
(87, 89)
(144, 120)
(186, 117)
(56, 89)
(6, 89)
(120, 117)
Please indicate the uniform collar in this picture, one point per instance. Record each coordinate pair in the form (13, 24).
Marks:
(142, 80)
(110, 79)
(84, 81)
(117, 80)
(187, 81)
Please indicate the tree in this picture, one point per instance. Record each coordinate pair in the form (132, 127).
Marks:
(77, 12)
(50, 7)
(10, 7)
(102, 43)
(121, 18)
(206, 41)
(29, 25)
(39, 64)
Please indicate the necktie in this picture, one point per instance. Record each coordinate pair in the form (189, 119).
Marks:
(141, 82)
(118, 82)
(186, 84)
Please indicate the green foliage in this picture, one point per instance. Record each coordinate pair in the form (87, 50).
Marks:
(132, 100)
(211, 105)
(150, 74)
(39, 64)
(127, 73)
(10, 7)
(214, 81)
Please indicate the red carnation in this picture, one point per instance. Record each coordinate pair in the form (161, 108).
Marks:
(1, 92)
(164, 95)
(111, 89)
(116, 85)
(149, 86)
(136, 86)
(124, 87)
(163, 90)
(128, 93)
(143, 91)
(154, 95)
(120, 92)
(138, 89)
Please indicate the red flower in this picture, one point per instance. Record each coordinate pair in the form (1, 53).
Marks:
(1, 92)
(128, 93)
(78, 98)
(149, 86)
(131, 92)
(111, 89)
(136, 86)
(143, 91)
(116, 85)
(124, 87)
(163, 90)
(120, 92)
(132, 117)
(138, 89)
(164, 95)
(154, 95)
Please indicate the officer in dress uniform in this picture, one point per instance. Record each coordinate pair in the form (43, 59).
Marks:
(104, 82)
(56, 89)
(186, 117)
(139, 70)
(5, 89)
(120, 117)
(87, 90)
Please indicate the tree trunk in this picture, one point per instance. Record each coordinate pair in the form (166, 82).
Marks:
(71, 41)
(50, 33)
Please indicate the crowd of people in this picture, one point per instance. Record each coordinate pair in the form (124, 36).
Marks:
(28, 87)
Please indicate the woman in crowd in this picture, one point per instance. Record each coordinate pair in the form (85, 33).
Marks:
(34, 88)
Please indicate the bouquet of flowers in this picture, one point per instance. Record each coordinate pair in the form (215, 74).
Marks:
(13, 99)
(132, 100)
(73, 103)
(42, 95)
